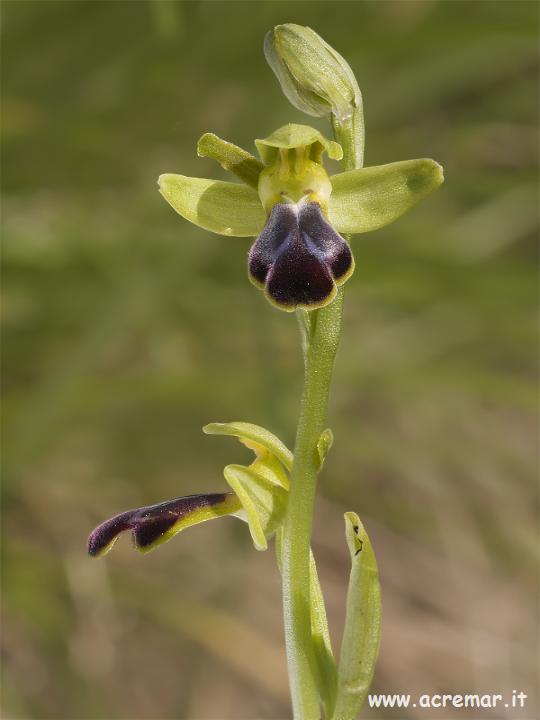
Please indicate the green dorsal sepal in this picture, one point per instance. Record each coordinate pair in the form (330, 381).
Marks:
(294, 136)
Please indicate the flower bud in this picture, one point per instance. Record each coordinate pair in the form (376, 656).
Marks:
(313, 76)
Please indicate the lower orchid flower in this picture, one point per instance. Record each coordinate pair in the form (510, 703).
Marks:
(259, 497)
(296, 210)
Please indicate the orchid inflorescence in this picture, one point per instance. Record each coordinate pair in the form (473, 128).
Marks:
(298, 215)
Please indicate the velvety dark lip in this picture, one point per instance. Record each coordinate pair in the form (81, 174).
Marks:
(299, 258)
(150, 522)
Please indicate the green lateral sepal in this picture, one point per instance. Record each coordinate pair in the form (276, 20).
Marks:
(222, 207)
(369, 198)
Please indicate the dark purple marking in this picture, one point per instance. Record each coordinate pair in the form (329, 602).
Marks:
(149, 523)
(282, 223)
(336, 251)
(299, 256)
(298, 276)
(104, 534)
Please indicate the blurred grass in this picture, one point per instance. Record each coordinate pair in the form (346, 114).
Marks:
(126, 329)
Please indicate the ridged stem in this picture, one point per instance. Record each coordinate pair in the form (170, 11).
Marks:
(325, 330)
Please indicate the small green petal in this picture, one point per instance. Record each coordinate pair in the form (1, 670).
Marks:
(254, 433)
(221, 207)
(369, 198)
(362, 633)
(296, 136)
(231, 157)
(263, 502)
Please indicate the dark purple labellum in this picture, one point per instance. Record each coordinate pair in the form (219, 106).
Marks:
(148, 524)
(299, 257)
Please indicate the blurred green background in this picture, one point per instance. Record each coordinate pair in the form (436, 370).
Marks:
(126, 329)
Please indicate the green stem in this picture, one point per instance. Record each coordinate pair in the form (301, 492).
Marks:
(319, 362)
(350, 135)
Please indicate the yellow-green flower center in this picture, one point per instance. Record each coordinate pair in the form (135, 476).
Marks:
(292, 177)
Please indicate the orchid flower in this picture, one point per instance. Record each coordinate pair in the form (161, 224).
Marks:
(296, 210)
(259, 497)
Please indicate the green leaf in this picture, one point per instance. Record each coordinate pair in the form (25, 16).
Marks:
(297, 136)
(263, 501)
(369, 198)
(361, 637)
(221, 207)
(256, 434)
(231, 157)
